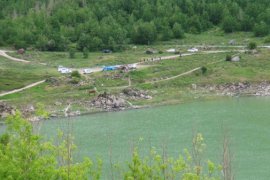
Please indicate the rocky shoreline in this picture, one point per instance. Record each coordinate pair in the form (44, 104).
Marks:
(118, 102)
(236, 89)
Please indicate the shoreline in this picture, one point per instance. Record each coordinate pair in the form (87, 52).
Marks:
(197, 93)
(167, 103)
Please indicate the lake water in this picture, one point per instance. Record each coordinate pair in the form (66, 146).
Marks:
(247, 121)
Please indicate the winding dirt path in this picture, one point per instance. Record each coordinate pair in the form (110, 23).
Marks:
(182, 74)
(21, 89)
(4, 54)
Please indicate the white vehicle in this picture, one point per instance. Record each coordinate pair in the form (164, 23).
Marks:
(171, 50)
(87, 71)
(132, 66)
(65, 70)
(60, 68)
(193, 50)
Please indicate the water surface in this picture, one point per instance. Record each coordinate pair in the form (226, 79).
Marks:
(247, 120)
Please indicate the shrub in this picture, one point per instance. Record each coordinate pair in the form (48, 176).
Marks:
(76, 74)
(228, 57)
(71, 53)
(267, 39)
(261, 29)
(204, 70)
(85, 53)
(25, 155)
(74, 80)
(252, 45)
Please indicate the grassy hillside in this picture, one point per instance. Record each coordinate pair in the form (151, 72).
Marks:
(252, 68)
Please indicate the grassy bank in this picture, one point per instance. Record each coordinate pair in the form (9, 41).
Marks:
(251, 68)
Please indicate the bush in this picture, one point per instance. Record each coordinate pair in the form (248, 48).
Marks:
(261, 29)
(228, 57)
(74, 80)
(25, 155)
(252, 45)
(204, 70)
(178, 31)
(267, 39)
(85, 53)
(71, 53)
(76, 74)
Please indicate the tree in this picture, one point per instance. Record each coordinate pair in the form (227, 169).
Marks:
(24, 155)
(166, 33)
(178, 32)
(188, 166)
(247, 23)
(144, 33)
(230, 24)
(261, 29)
(72, 52)
(85, 53)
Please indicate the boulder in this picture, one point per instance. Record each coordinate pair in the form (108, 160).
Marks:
(108, 101)
(232, 42)
(6, 110)
(135, 93)
(235, 59)
(21, 51)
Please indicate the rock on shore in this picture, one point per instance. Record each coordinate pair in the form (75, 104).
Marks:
(6, 110)
(133, 93)
(109, 102)
(239, 88)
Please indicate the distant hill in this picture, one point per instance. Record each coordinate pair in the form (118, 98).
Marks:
(57, 25)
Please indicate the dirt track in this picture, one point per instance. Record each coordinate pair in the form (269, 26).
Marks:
(21, 89)
(4, 54)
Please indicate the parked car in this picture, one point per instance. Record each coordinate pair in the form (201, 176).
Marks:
(132, 66)
(107, 51)
(65, 70)
(171, 50)
(87, 71)
(60, 68)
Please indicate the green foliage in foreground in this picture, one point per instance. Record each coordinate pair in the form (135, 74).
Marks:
(24, 155)
(185, 167)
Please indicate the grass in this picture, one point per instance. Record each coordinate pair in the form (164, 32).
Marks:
(15, 75)
(252, 68)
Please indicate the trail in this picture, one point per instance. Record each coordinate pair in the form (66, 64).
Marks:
(21, 89)
(182, 74)
(223, 46)
(4, 54)
(174, 77)
(187, 54)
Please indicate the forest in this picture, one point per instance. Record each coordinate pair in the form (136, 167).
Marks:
(58, 25)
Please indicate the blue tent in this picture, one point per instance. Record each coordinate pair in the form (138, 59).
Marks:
(109, 68)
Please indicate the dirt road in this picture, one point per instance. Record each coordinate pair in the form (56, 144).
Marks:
(4, 54)
(21, 89)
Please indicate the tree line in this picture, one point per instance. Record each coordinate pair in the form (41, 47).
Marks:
(57, 25)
